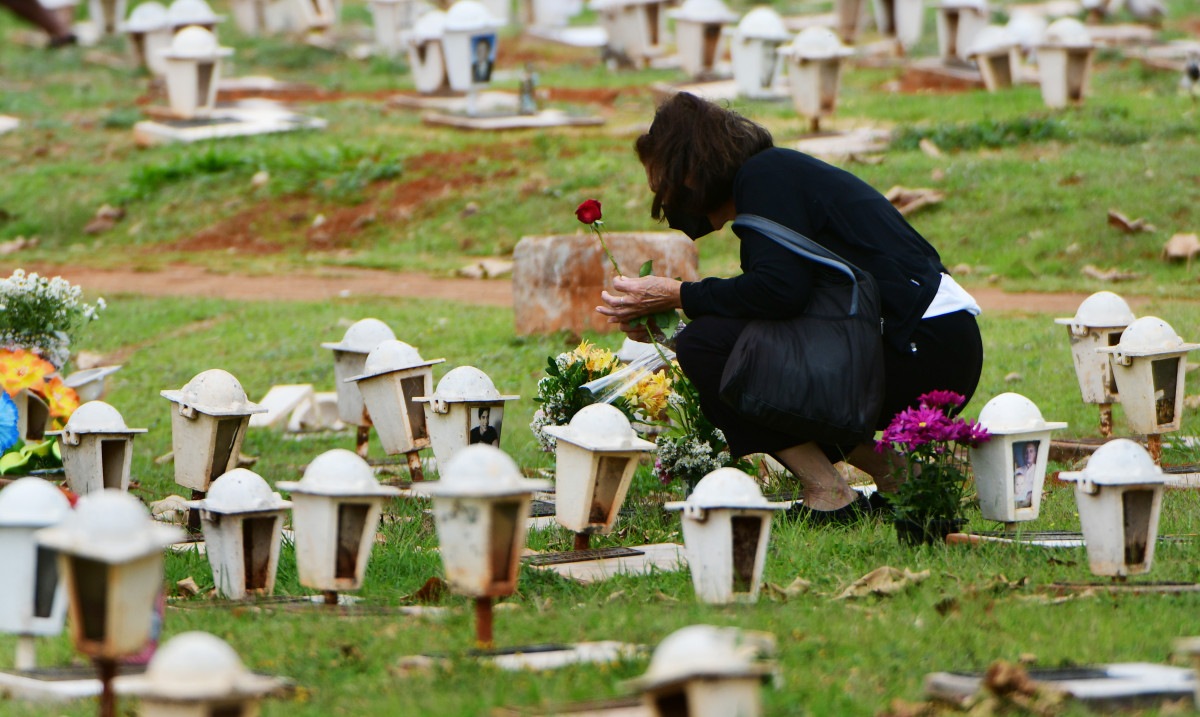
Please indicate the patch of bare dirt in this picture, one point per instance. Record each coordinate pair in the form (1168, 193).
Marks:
(436, 176)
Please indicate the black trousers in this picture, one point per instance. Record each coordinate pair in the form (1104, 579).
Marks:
(945, 353)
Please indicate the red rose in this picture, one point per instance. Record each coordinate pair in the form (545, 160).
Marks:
(589, 211)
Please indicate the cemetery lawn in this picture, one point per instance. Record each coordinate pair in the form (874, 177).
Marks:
(1025, 211)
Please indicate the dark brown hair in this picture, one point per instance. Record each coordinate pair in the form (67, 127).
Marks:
(692, 152)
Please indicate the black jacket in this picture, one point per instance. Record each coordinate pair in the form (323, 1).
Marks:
(837, 210)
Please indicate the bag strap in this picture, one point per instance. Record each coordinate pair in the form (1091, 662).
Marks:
(798, 243)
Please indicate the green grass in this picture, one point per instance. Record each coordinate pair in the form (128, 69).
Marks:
(1026, 189)
(835, 657)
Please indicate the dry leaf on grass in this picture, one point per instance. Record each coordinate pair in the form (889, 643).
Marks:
(929, 148)
(1181, 247)
(1127, 225)
(1007, 686)
(906, 201)
(432, 591)
(1108, 274)
(106, 218)
(797, 587)
(881, 581)
(187, 587)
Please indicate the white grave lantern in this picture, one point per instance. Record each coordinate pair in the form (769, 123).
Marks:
(425, 54)
(64, 10)
(699, 35)
(1098, 323)
(596, 455)
(726, 529)
(814, 72)
(702, 671)
(465, 409)
(469, 45)
(193, 64)
(33, 416)
(111, 558)
(349, 356)
(481, 507)
(993, 51)
(97, 448)
(106, 15)
(1027, 30)
(1065, 62)
(637, 29)
(393, 375)
(755, 52)
(1119, 498)
(850, 16)
(336, 512)
(208, 427)
(900, 19)
(185, 13)
(958, 21)
(32, 601)
(390, 19)
(110, 554)
(149, 32)
(1010, 469)
(1149, 364)
(554, 13)
(314, 15)
(243, 528)
(195, 674)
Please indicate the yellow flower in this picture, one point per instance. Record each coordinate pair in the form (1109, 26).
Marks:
(23, 369)
(651, 394)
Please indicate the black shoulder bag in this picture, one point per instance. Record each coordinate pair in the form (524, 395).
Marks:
(819, 375)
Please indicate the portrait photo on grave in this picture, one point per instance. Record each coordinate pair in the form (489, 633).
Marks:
(483, 57)
(485, 428)
(803, 227)
(1025, 454)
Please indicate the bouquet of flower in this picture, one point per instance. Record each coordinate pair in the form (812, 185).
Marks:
(40, 315)
(559, 392)
(934, 443)
(691, 447)
(22, 370)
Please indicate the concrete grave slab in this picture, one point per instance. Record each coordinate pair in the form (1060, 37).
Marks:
(541, 120)
(714, 91)
(486, 102)
(1123, 35)
(260, 117)
(657, 556)
(8, 124)
(60, 684)
(1103, 687)
(580, 36)
(840, 146)
(557, 278)
(280, 402)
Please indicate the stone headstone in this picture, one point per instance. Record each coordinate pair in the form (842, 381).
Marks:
(557, 280)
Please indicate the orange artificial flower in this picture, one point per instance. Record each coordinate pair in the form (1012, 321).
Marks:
(60, 398)
(21, 369)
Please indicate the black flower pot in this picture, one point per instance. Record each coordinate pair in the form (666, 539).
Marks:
(926, 532)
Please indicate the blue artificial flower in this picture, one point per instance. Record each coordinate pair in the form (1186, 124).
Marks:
(8, 422)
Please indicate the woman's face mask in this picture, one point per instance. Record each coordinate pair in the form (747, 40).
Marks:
(694, 225)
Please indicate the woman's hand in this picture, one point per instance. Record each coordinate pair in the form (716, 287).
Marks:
(642, 296)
